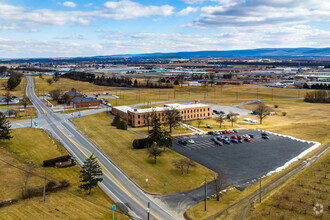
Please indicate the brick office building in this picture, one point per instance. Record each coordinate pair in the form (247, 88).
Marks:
(140, 117)
(78, 100)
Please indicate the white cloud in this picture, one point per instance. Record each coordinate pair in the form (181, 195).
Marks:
(88, 4)
(262, 12)
(126, 9)
(69, 4)
(187, 11)
(122, 42)
(120, 10)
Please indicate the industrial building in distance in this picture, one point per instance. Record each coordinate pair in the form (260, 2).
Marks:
(141, 117)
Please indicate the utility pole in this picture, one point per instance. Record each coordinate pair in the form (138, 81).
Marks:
(260, 191)
(205, 194)
(44, 200)
(257, 93)
(236, 93)
(148, 210)
(272, 93)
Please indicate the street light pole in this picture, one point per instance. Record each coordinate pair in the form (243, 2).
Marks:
(260, 191)
(205, 195)
(148, 210)
(44, 200)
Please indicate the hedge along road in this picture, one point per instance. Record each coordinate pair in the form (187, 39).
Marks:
(115, 183)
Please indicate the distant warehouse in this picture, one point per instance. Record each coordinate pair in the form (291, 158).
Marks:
(140, 117)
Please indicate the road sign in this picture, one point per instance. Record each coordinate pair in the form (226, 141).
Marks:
(113, 207)
(35, 124)
(79, 115)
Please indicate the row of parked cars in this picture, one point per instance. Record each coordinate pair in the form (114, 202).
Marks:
(220, 140)
(234, 131)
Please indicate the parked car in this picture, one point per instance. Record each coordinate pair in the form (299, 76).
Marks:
(218, 143)
(240, 140)
(215, 111)
(225, 142)
(251, 135)
(234, 141)
(235, 131)
(265, 137)
(233, 137)
(213, 139)
(191, 141)
(216, 133)
(210, 133)
(247, 139)
(239, 137)
(222, 112)
(227, 131)
(246, 136)
(264, 134)
(182, 142)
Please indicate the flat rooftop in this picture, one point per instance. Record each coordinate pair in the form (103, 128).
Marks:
(177, 106)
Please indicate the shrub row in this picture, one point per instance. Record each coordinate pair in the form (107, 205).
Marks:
(119, 123)
(141, 143)
(51, 186)
(51, 162)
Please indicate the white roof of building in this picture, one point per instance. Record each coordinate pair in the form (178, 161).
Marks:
(177, 106)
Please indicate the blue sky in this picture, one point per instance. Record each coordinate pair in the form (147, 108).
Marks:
(53, 28)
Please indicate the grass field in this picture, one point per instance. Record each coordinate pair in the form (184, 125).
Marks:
(297, 198)
(27, 150)
(18, 91)
(117, 145)
(133, 96)
(308, 121)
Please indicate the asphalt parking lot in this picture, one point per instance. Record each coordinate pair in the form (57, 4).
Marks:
(242, 162)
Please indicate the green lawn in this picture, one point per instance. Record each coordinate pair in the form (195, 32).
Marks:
(117, 145)
(26, 150)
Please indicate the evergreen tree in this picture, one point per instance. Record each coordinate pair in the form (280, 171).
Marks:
(306, 86)
(13, 82)
(91, 174)
(156, 133)
(4, 127)
(135, 82)
(116, 121)
(176, 82)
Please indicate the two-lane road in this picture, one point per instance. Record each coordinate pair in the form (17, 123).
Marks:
(115, 183)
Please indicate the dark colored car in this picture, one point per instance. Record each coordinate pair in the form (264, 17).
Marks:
(234, 141)
(222, 112)
(251, 135)
(264, 134)
(218, 143)
(225, 142)
(235, 131)
(247, 139)
(182, 142)
(240, 140)
(210, 132)
(233, 137)
(219, 138)
(239, 137)
(265, 137)
(213, 139)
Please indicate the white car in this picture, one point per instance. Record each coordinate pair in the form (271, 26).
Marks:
(191, 141)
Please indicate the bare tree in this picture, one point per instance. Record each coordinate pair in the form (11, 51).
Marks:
(219, 182)
(7, 96)
(180, 164)
(154, 151)
(148, 117)
(11, 112)
(55, 94)
(49, 81)
(25, 101)
(189, 163)
(199, 122)
(26, 177)
(220, 118)
(232, 117)
(262, 111)
(184, 164)
(172, 117)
